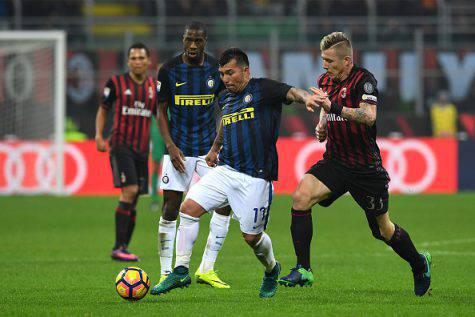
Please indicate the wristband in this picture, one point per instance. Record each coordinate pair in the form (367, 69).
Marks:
(336, 108)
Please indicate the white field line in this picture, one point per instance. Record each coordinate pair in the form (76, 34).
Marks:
(385, 254)
(446, 242)
(440, 243)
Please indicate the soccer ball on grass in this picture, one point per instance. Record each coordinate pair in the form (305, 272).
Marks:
(132, 283)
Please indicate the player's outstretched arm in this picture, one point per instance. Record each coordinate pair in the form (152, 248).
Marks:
(176, 156)
(301, 96)
(366, 113)
(212, 156)
(101, 118)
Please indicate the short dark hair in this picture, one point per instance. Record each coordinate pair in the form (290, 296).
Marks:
(234, 53)
(197, 26)
(339, 41)
(139, 46)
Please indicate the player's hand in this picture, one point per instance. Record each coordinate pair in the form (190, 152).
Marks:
(177, 157)
(321, 132)
(311, 103)
(212, 158)
(321, 98)
(101, 144)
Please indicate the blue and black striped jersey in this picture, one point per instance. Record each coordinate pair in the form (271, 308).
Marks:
(251, 122)
(190, 92)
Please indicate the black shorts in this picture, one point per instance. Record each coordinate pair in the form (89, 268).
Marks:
(368, 187)
(129, 168)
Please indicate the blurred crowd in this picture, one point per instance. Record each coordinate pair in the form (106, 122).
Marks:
(45, 8)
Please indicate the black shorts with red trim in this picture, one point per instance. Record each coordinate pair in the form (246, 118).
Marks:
(368, 187)
(129, 168)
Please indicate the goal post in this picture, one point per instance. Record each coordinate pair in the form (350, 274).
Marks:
(33, 97)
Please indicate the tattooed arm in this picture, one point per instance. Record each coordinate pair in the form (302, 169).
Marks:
(302, 96)
(365, 114)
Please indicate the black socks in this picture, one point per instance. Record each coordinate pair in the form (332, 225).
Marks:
(302, 231)
(123, 214)
(403, 246)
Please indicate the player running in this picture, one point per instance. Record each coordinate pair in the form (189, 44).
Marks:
(189, 84)
(351, 163)
(133, 98)
(246, 144)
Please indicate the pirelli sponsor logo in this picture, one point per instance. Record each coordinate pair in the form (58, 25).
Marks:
(244, 114)
(194, 100)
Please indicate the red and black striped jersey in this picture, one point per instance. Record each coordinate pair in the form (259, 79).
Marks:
(350, 143)
(133, 105)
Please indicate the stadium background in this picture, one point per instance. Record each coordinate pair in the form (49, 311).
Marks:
(416, 49)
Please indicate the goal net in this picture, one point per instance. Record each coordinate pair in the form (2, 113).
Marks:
(32, 110)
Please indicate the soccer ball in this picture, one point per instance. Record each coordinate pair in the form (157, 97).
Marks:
(132, 283)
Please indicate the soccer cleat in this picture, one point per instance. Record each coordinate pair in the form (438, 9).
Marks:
(178, 278)
(422, 279)
(269, 282)
(124, 255)
(162, 278)
(298, 276)
(210, 278)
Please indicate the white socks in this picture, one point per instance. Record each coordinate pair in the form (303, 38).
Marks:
(219, 226)
(185, 239)
(166, 241)
(263, 251)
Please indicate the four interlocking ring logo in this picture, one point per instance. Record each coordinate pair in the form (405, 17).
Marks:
(29, 168)
(395, 161)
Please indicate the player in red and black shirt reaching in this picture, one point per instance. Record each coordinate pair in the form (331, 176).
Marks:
(133, 98)
(348, 97)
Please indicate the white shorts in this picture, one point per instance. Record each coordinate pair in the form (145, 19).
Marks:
(249, 197)
(174, 180)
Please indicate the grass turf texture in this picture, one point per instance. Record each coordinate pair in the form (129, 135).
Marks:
(55, 261)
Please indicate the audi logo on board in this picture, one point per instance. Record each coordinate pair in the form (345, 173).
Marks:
(29, 168)
(395, 160)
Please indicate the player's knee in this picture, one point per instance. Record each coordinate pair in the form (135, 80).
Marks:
(130, 192)
(191, 208)
(251, 239)
(301, 200)
(186, 207)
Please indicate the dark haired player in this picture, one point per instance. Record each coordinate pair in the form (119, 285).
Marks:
(246, 144)
(189, 84)
(351, 163)
(133, 98)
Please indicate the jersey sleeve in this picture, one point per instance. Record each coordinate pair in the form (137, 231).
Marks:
(163, 85)
(108, 95)
(367, 90)
(274, 90)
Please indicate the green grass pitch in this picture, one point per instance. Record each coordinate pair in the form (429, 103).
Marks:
(55, 261)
